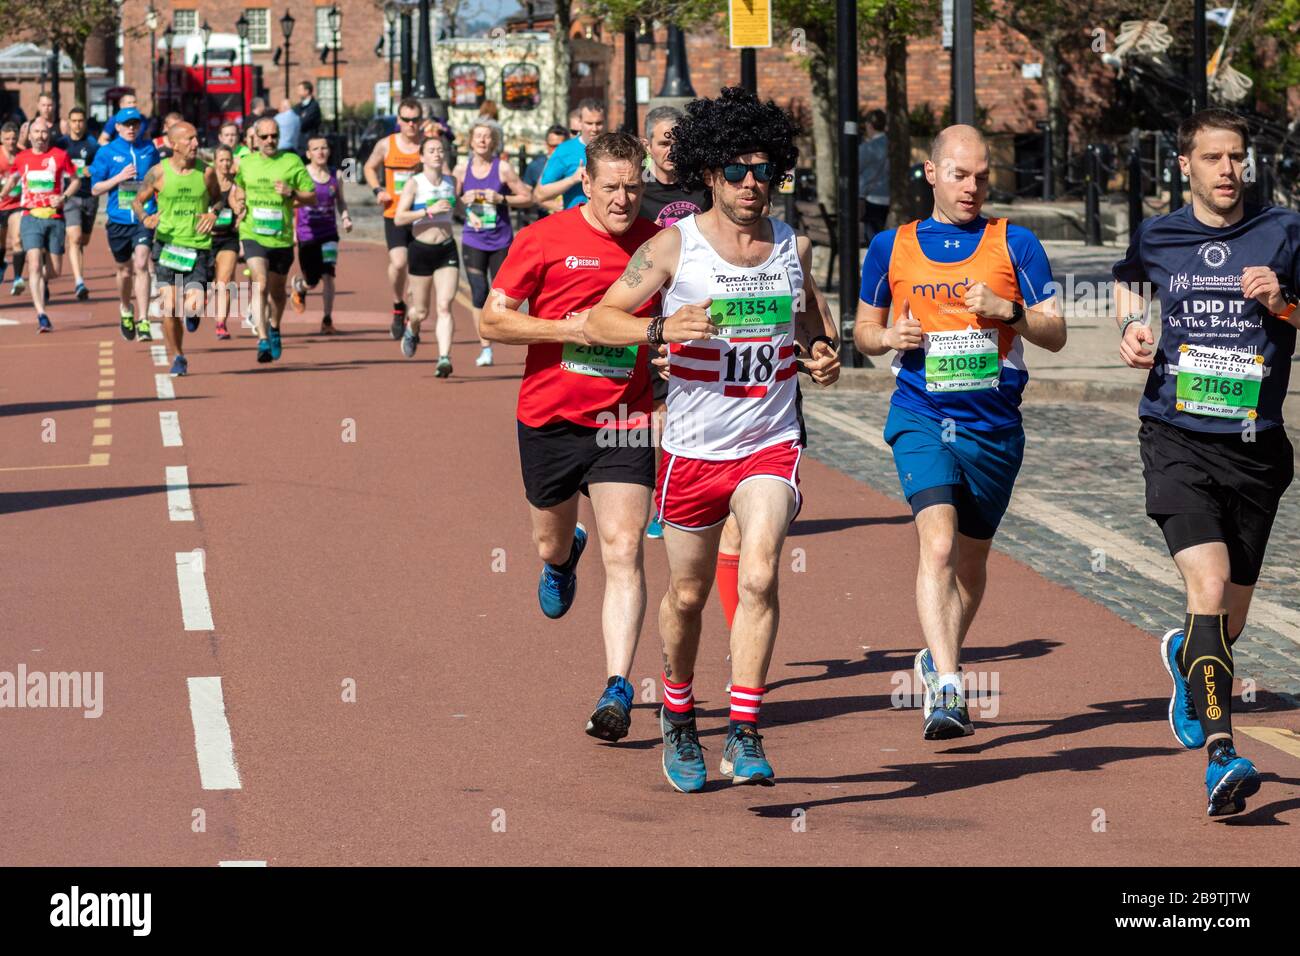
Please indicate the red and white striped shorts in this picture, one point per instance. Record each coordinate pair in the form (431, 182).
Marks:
(693, 493)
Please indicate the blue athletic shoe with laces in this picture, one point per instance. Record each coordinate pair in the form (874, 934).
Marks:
(556, 588)
(683, 761)
(743, 759)
(1229, 780)
(180, 367)
(949, 717)
(613, 714)
(273, 336)
(1182, 708)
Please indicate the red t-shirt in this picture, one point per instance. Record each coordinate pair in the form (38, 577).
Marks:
(13, 198)
(561, 264)
(42, 177)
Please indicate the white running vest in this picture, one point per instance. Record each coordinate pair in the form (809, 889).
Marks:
(426, 194)
(733, 395)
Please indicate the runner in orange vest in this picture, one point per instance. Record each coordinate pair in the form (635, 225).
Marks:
(397, 158)
(967, 292)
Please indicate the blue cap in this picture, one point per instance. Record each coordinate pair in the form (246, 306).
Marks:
(126, 115)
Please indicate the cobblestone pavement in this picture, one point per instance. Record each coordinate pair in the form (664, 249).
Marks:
(1077, 518)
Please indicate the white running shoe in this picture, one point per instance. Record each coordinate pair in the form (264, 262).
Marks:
(484, 357)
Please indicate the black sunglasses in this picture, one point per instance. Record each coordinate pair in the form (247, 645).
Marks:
(410, 119)
(735, 172)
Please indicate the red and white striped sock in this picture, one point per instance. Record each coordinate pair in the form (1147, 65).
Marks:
(679, 699)
(745, 702)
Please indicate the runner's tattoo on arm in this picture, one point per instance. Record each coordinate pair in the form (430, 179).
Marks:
(668, 668)
(640, 261)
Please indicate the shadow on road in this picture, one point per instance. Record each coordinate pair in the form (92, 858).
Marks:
(39, 408)
(940, 777)
(12, 502)
(1267, 815)
(825, 525)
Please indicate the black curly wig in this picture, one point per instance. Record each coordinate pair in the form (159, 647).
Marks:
(714, 132)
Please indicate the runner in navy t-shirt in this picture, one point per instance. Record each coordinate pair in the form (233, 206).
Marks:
(1215, 455)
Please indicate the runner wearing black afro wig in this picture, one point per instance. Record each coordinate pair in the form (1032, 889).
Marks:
(714, 132)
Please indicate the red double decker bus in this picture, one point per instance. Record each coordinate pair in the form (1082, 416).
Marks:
(209, 90)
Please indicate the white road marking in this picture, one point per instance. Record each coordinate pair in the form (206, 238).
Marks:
(212, 743)
(1152, 564)
(10, 322)
(163, 385)
(242, 863)
(179, 506)
(196, 610)
(170, 422)
(159, 353)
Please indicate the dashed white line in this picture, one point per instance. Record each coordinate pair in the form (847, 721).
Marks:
(170, 423)
(163, 384)
(179, 505)
(212, 743)
(159, 353)
(196, 610)
(242, 863)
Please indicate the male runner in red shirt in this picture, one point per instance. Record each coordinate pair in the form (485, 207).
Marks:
(584, 410)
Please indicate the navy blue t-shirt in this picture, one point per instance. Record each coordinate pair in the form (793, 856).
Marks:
(1235, 356)
(82, 153)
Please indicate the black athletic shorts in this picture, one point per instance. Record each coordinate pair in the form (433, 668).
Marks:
(311, 257)
(562, 458)
(425, 258)
(278, 260)
(225, 242)
(123, 237)
(1204, 486)
(396, 236)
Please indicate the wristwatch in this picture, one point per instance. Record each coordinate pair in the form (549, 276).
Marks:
(1292, 300)
(1017, 313)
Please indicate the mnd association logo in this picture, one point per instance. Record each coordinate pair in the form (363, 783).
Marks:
(77, 690)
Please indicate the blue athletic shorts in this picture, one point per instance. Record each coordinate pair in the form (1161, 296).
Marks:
(974, 471)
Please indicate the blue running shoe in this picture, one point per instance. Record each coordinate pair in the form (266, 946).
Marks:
(949, 717)
(683, 757)
(743, 759)
(1182, 708)
(263, 351)
(1229, 780)
(43, 323)
(613, 714)
(191, 323)
(180, 366)
(273, 336)
(556, 588)
(654, 530)
(927, 680)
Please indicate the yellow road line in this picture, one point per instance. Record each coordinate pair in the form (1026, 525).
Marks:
(105, 361)
(103, 408)
(103, 394)
(102, 423)
(105, 343)
(1287, 741)
(89, 464)
(98, 460)
(101, 440)
(107, 382)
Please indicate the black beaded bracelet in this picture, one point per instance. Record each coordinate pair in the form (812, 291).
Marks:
(654, 332)
(821, 338)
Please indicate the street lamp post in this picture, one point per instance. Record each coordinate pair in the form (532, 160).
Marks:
(286, 28)
(629, 76)
(425, 90)
(205, 117)
(390, 15)
(846, 29)
(335, 17)
(677, 74)
(168, 36)
(1200, 56)
(241, 27)
(151, 21)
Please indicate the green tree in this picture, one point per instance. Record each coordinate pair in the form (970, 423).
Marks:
(69, 24)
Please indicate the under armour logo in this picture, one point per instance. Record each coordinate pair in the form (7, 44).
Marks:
(952, 243)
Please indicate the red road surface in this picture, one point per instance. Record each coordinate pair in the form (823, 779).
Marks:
(376, 562)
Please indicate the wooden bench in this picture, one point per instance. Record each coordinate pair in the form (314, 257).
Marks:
(821, 227)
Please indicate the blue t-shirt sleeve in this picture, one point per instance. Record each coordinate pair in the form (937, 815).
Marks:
(99, 166)
(1033, 271)
(1130, 268)
(556, 167)
(875, 270)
